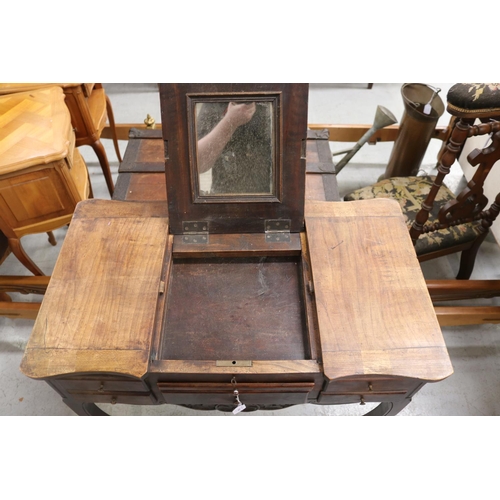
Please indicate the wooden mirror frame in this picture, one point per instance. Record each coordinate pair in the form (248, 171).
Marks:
(235, 214)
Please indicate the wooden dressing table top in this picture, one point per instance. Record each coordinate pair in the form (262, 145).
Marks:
(35, 128)
(375, 315)
(378, 336)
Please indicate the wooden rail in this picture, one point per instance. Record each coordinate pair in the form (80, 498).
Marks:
(337, 133)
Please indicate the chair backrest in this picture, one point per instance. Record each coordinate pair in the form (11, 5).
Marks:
(469, 205)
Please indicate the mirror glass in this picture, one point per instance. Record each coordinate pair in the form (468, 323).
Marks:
(234, 147)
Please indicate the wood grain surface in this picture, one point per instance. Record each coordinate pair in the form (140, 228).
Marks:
(99, 309)
(374, 312)
(42, 138)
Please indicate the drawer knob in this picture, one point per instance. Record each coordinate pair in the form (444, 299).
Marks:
(362, 401)
(101, 387)
(113, 401)
(370, 386)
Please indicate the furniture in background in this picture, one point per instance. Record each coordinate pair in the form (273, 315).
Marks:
(90, 107)
(42, 174)
(440, 222)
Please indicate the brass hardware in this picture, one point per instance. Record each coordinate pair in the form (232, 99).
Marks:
(362, 401)
(113, 400)
(150, 122)
(101, 387)
(370, 386)
(161, 291)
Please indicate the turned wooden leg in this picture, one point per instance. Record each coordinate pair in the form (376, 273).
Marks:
(52, 239)
(5, 297)
(84, 409)
(103, 160)
(112, 126)
(22, 256)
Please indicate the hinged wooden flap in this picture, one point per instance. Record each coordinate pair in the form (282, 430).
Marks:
(375, 315)
(235, 154)
(99, 310)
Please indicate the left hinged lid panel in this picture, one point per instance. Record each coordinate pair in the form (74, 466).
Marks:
(99, 311)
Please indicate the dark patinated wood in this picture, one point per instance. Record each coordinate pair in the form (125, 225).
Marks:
(236, 245)
(233, 216)
(137, 186)
(145, 152)
(235, 309)
(134, 184)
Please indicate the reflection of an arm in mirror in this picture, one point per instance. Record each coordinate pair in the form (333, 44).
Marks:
(211, 145)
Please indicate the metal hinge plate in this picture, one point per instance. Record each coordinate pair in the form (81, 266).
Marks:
(195, 232)
(277, 230)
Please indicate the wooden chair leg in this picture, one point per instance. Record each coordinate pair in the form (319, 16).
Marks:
(52, 239)
(5, 297)
(468, 258)
(22, 256)
(103, 160)
(111, 119)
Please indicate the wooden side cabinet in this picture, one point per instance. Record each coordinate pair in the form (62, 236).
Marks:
(42, 174)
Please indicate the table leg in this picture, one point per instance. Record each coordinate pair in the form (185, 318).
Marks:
(388, 409)
(84, 409)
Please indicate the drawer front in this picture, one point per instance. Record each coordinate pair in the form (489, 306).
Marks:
(342, 399)
(223, 394)
(367, 385)
(103, 385)
(130, 398)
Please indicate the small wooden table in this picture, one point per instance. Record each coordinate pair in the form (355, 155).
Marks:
(360, 324)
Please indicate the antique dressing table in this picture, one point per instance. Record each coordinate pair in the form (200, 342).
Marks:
(235, 295)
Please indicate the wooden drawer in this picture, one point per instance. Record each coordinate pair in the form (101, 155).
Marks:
(368, 389)
(130, 398)
(373, 384)
(223, 393)
(342, 399)
(103, 385)
(102, 390)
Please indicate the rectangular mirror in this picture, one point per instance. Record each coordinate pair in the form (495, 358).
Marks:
(234, 147)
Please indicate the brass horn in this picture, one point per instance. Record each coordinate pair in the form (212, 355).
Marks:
(383, 118)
